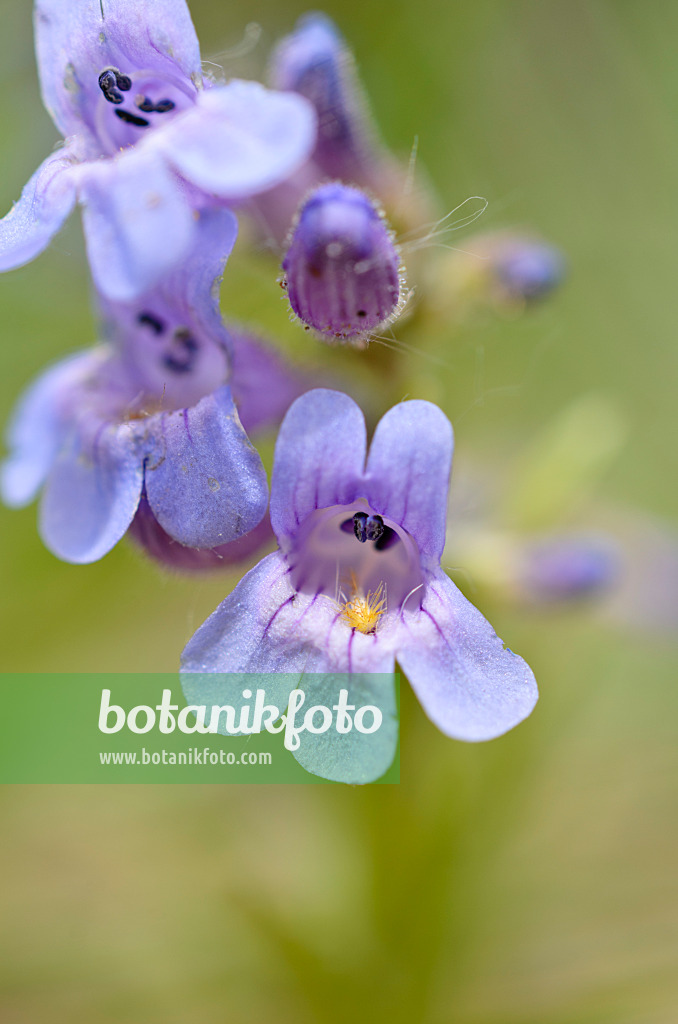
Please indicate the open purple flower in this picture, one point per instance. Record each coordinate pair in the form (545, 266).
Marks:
(357, 583)
(144, 430)
(148, 141)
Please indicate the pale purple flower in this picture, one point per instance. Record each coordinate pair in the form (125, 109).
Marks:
(356, 584)
(342, 271)
(145, 426)
(148, 140)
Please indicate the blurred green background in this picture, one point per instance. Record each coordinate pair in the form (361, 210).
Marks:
(527, 881)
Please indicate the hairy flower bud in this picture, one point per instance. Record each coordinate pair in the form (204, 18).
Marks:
(342, 270)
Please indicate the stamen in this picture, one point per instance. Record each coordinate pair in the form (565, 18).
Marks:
(128, 118)
(149, 107)
(110, 81)
(360, 526)
(375, 527)
(107, 84)
(363, 613)
(148, 320)
(367, 527)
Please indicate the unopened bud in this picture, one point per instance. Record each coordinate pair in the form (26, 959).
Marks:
(342, 271)
(526, 269)
(567, 568)
(315, 62)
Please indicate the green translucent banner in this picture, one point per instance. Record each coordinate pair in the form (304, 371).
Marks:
(200, 728)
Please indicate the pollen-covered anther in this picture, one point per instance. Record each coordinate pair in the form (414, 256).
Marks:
(363, 612)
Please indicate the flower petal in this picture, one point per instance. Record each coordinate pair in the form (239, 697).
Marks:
(249, 630)
(287, 638)
(408, 472)
(171, 339)
(138, 225)
(76, 41)
(217, 689)
(264, 385)
(264, 625)
(92, 494)
(45, 203)
(239, 139)
(468, 683)
(205, 482)
(36, 430)
(354, 757)
(157, 543)
(319, 456)
(189, 291)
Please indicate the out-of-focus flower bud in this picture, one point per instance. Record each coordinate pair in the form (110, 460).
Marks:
(567, 568)
(342, 271)
(504, 271)
(315, 62)
(526, 269)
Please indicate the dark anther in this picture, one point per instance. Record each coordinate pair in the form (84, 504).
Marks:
(128, 118)
(374, 527)
(107, 84)
(362, 312)
(110, 81)
(368, 527)
(188, 348)
(360, 526)
(148, 320)
(149, 107)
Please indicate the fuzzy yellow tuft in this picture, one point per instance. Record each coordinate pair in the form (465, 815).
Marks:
(363, 613)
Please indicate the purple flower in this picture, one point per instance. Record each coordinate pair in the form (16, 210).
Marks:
(148, 141)
(145, 426)
(342, 271)
(357, 583)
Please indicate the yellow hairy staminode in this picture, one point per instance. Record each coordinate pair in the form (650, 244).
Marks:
(363, 613)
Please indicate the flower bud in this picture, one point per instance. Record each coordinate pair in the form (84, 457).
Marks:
(526, 269)
(342, 271)
(567, 568)
(505, 271)
(315, 62)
